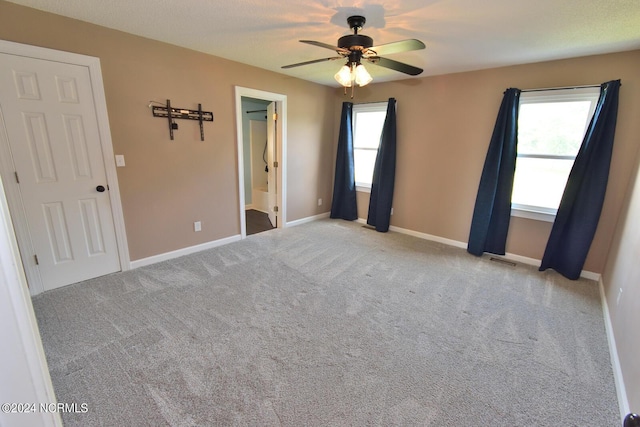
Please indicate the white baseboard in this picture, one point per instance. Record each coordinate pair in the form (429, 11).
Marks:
(536, 263)
(455, 243)
(192, 249)
(307, 219)
(259, 210)
(621, 390)
(184, 251)
(254, 208)
(426, 236)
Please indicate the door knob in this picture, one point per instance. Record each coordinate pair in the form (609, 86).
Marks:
(100, 188)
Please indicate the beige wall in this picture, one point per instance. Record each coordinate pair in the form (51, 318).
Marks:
(444, 127)
(167, 185)
(622, 288)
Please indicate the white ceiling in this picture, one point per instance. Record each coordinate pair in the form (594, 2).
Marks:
(460, 35)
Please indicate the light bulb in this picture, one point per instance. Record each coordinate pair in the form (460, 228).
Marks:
(343, 76)
(362, 75)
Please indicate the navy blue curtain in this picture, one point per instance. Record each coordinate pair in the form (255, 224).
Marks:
(492, 212)
(384, 173)
(583, 196)
(344, 204)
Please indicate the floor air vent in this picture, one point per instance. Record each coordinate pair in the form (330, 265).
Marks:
(502, 261)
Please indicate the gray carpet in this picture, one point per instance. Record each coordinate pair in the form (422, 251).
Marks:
(330, 324)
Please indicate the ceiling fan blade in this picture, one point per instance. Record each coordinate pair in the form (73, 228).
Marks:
(395, 65)
(397, 47)
(325, 45)
(312, 62)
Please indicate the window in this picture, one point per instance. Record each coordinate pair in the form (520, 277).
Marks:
(368, 120)
(551, 127)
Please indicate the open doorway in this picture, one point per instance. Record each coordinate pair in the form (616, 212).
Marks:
(261, 129)
(258, 170)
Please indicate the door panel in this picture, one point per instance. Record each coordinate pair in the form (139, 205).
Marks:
(78, 150)
(51, 125)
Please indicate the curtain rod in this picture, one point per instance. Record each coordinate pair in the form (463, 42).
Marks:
(372, 102)
(559, 88)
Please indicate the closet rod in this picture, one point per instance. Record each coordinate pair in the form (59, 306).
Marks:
(256, 111)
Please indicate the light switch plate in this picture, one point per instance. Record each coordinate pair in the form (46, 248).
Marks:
(119, 160)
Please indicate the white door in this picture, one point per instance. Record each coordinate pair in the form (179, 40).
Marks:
(271, 159)
(48, 119)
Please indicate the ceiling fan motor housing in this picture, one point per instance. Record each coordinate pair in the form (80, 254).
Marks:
(355, 42)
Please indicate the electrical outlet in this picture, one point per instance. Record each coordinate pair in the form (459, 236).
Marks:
(319, 202)
(391, 211)
(197, 226)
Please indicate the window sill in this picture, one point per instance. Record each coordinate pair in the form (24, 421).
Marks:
(363, 188)
(531, 212)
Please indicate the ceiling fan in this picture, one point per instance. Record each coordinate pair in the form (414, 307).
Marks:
(357, 47)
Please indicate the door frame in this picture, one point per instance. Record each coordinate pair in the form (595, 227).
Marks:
(25, 366)
(11, 188)
(281, 152)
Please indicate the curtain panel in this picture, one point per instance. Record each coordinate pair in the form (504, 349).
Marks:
(384, 173)
(492, 211)
(583, 197)
(343, 204)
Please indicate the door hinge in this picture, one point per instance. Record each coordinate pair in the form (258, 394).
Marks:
(275, 116)
(275, 164)
(275, 209)
(17, 178)
(36, 258)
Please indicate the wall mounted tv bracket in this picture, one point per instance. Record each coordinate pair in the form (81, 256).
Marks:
(182, 113)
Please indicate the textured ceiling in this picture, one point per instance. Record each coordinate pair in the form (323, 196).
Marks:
(460, 35)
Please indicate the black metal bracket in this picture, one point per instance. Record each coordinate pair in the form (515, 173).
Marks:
(181, 113)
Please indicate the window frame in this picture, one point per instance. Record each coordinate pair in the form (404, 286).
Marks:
(544, 96)
(365, 108)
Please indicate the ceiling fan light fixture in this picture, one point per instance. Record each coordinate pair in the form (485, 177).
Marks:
(362, 76)
(357, 47)
(343, 76)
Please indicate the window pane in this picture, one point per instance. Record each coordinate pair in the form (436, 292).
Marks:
(364, 162)
(368, 127)
(540, 182)
(555, 128)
